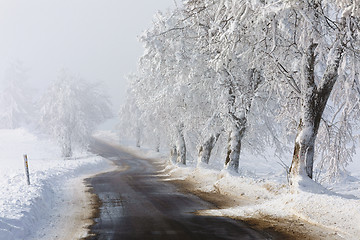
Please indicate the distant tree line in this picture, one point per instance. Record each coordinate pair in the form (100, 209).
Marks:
(69, 111)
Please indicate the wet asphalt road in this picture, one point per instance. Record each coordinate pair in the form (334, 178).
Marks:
(138, 204)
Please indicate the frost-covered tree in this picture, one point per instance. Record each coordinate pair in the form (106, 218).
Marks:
(71, 109)
(16, 100)
(306, 43)
(130, 119)
(175, 85)
(160, 80)
(239, 77)
(158, 86)
(195, 77)
(225, 30)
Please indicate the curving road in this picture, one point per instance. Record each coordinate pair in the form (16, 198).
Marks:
(137, 204)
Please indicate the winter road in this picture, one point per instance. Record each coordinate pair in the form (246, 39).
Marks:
(138, 204)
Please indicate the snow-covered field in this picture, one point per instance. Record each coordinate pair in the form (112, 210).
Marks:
(27, 212)
(261, 189)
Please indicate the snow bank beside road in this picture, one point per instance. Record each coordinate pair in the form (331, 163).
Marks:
(333, 215)
(25, 209)
(337, 214)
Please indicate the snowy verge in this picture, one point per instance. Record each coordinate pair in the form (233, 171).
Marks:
(249, 198)
(336, 214)
(73, 214)
(26, 211)
(332, 214)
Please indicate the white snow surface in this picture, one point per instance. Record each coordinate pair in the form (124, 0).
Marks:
(27, 210)
(261, 186)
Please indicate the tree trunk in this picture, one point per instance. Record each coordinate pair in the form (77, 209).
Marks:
(238, 114)
(181, 147)
(173, 154)
(138, 137)
(206, 148)
(157, 147)
(66, 146)
(234, 145)
(314, 100)
(303, 157)
(157, 144)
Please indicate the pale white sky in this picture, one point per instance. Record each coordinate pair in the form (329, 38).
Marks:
(96, 39)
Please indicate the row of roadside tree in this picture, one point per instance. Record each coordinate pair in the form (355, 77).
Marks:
(234, 73)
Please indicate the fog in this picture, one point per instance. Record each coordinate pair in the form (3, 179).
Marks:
(95, 39)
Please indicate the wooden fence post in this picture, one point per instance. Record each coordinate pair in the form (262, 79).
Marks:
(27, 169)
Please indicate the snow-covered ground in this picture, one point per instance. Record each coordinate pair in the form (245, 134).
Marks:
(33, 212)
(261, 189)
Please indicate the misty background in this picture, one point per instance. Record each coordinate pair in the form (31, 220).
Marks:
(95, 39)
